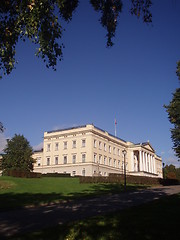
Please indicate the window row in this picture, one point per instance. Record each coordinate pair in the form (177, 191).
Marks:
(65, 159)
(108, 161)
(65, 145)
(103, 146)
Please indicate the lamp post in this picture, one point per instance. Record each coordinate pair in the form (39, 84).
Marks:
(124, 154)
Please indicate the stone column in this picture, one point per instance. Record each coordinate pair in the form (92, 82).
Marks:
(146, 167)
(151, 164)
(140, 161)
(143, 161)
(154, 161)
(149, 169)
(132, 161)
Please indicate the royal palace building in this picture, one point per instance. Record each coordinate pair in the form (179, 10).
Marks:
(90, 151)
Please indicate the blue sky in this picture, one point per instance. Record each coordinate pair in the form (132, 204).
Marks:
(130, 82)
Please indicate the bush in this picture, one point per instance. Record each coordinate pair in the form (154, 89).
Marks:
(119, 178)
(56, 175)
(21, 173)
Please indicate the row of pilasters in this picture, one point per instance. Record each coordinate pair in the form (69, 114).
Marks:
(147, 162)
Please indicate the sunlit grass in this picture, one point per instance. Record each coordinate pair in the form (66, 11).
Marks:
(18, 192)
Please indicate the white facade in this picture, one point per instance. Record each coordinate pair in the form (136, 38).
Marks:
(88, 150)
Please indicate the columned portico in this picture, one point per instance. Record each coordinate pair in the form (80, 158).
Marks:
(143, 161)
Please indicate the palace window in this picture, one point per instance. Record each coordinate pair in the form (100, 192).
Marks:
(109, 149)
(74, 143)
(48, 161)
(73, 159)
(83, 142)
(100, 159)
(39, 161)
(114, 150)
(56, 146)
(48, 147)
(65, 159)
(95, 156)
(83, 157)
(56, 160)
(83, 172)
(65, 145)
(104, 147)
(109, 161)
(100, 145)
(105, 160)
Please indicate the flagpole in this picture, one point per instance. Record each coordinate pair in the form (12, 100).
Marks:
(115, 127)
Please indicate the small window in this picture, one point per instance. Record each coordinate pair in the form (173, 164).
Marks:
(83, 143)
(39, 161)
(74, 144)
(56, 146)
(48, 147)
(56, 160)
(105, 160)
(83, 172)
(74, 159)
(100, 159)
(109, 149)
(95, 156)
(73, 173)
(100, 145)
(83, 158)
(104, 147)
(48, 161)
(65, 159)
(95, 143)
(65, 145)
(114, 150)
(114, 162)
(109, 161)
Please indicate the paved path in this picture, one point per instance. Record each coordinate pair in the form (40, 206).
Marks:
(34, 218)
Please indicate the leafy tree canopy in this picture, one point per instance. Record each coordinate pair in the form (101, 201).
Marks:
(171, 172)
(41, 22)
(173, 110)
(17, 155)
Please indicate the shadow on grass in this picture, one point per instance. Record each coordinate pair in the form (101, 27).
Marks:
(78, 206)
(9, 201)
(155, 220)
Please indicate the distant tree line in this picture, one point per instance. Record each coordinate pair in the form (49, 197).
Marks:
(171, 172)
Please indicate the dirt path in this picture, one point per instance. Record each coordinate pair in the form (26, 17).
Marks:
(28, 219)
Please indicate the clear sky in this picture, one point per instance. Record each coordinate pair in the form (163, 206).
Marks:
(130, 82)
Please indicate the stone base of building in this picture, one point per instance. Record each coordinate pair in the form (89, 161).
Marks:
(88, 169)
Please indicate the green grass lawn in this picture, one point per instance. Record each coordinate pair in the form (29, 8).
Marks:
(18, 192)
(155, 220)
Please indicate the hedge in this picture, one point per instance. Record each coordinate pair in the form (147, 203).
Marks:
(56, 175)
(119, 178)
(21, 173)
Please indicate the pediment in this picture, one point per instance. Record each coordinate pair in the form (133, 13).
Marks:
(148, 146)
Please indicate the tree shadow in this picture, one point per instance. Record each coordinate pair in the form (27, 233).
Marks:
(59, 210)
(9, 201)
(155, 220)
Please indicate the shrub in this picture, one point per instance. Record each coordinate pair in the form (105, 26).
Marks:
(21, 173)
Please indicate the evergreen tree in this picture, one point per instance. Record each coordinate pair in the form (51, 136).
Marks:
(173, 110)
(17, 155)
